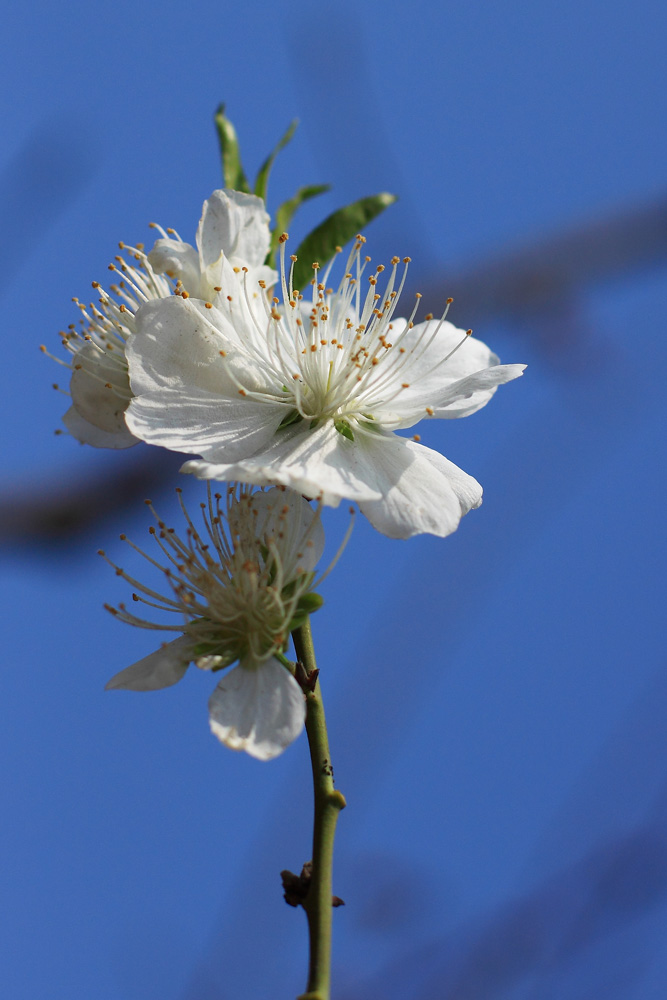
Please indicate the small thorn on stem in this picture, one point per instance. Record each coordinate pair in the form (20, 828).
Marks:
(296, 887)
(306, 680)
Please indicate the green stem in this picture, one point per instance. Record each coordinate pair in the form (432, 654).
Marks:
(328, 803)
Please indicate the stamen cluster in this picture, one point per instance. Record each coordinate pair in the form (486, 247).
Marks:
(239, 585)
(100, 385)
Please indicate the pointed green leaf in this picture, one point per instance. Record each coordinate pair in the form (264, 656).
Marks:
(262, 182)
(337, 230)
(232, 171)
(343, 427)
(285, 214)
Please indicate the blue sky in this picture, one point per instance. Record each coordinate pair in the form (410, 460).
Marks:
(496, 699)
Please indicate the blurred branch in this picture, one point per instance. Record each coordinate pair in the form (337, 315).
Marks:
(534, 278)
(58, 513)
(533, 940)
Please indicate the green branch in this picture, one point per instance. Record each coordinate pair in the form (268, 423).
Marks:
(328, 803)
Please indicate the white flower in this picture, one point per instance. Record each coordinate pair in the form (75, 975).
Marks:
(99, 385)
(310, 398)
(233, 234)
(240, 586)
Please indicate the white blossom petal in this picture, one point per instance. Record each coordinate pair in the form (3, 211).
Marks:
(320, 463)
(236, 225)
(204, 423)
(240, 284)
(161, 669)
(100, 388)
(88, 433)
(438, 349)
(177, 260)
(176, 344)
(259, 709)
(421, 490)
(474, 391)
(459, 398)
(299, 537)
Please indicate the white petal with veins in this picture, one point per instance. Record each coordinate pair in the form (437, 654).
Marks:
(161, 669)
(259, 709)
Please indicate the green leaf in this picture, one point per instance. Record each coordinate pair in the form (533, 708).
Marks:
(285, 214)
(343, 427)
(262, 181)
(337, 230)
(232, 171)
(292, 417)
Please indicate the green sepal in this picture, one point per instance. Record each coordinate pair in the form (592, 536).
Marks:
(232, 172)
(343, 427)
(291, 417)
(285, 214)
(262, 180)
(337, 230)
(313, 423)
(308, 604)
(288, 589)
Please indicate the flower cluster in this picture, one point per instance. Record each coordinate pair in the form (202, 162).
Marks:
(209, 351)
(239, 584)
(277, 389)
